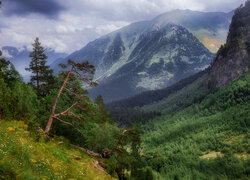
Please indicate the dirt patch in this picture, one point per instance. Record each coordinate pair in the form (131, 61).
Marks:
(242, 156)
(236, 138)
(211, 155)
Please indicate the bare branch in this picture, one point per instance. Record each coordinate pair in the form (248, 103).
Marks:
(116, 148)
(77, 95)
(73, 115)
(72, 126)
(63, 121)
(86, 80)
(90, 153)
(67, 110)
(81, 106)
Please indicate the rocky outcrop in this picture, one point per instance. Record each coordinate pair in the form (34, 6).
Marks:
(233, 59)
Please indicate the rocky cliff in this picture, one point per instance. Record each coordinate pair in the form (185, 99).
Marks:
(233, 59)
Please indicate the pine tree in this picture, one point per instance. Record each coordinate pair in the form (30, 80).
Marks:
(42, 75)
(78, 73)
(103, 110)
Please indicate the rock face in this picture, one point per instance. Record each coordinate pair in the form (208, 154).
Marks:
(233, 59)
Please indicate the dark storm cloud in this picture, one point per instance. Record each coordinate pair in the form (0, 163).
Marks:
(49, 8)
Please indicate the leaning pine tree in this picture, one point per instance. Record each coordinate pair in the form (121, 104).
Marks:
(42, 75)
(76, 73)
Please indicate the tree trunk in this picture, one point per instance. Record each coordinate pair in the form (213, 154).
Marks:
(48, 126)
(37, 79)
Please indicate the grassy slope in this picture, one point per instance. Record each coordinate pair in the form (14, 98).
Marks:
(21, 157)
(209, 40)
(212, 44)
(209, 140)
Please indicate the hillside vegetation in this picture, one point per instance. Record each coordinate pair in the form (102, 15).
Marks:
(23, 157)
(30, 150)
(208, 140)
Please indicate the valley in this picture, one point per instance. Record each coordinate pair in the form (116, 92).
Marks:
(161, 99)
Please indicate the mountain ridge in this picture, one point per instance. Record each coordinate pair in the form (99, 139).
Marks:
(126, 50)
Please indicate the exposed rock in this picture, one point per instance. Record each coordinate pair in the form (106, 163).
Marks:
(152, 54)
(233, 58)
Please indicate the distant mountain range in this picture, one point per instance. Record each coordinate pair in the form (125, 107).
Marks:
(210, 28)
(20, 57)
(153, 54)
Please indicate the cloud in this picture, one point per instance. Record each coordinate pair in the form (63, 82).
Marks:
(49, 8)
(127, 10)
(69, 29)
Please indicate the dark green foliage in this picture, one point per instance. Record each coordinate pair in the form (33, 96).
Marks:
(175, 143)
(93, 129)
(102, 109)
(129, 116)
(17, 100)
(5, 172)
(8, 71)
(96, 128)
(126, 156)
(42, 78)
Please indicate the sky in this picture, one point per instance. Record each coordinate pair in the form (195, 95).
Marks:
(68, 25)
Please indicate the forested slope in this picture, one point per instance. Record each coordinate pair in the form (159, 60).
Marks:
(209, 140)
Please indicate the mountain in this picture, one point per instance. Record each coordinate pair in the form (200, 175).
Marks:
(233, 58)
(20, 57)
(202, 128)
(210, 28)
(152, 54)
(159, 58)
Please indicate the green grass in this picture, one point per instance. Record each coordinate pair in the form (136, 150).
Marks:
(208, 140)
(22, 157)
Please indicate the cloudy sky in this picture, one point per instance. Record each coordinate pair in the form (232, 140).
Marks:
(68, 25)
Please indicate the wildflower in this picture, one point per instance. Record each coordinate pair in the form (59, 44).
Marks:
(33, 160)
(10, 129)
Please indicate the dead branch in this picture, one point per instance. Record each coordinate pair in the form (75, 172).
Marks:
(72, 126)
(81, 106)
(116, 148)
(77, 95)
(86, 151)
(67, 110)
(63, 121)
(75, 157)
(81, 78)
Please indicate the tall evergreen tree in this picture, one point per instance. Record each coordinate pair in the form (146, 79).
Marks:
(42, 75)
(102, 109)
(78, 72)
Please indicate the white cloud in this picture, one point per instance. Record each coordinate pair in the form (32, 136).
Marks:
(6, 54)
(86, 20)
